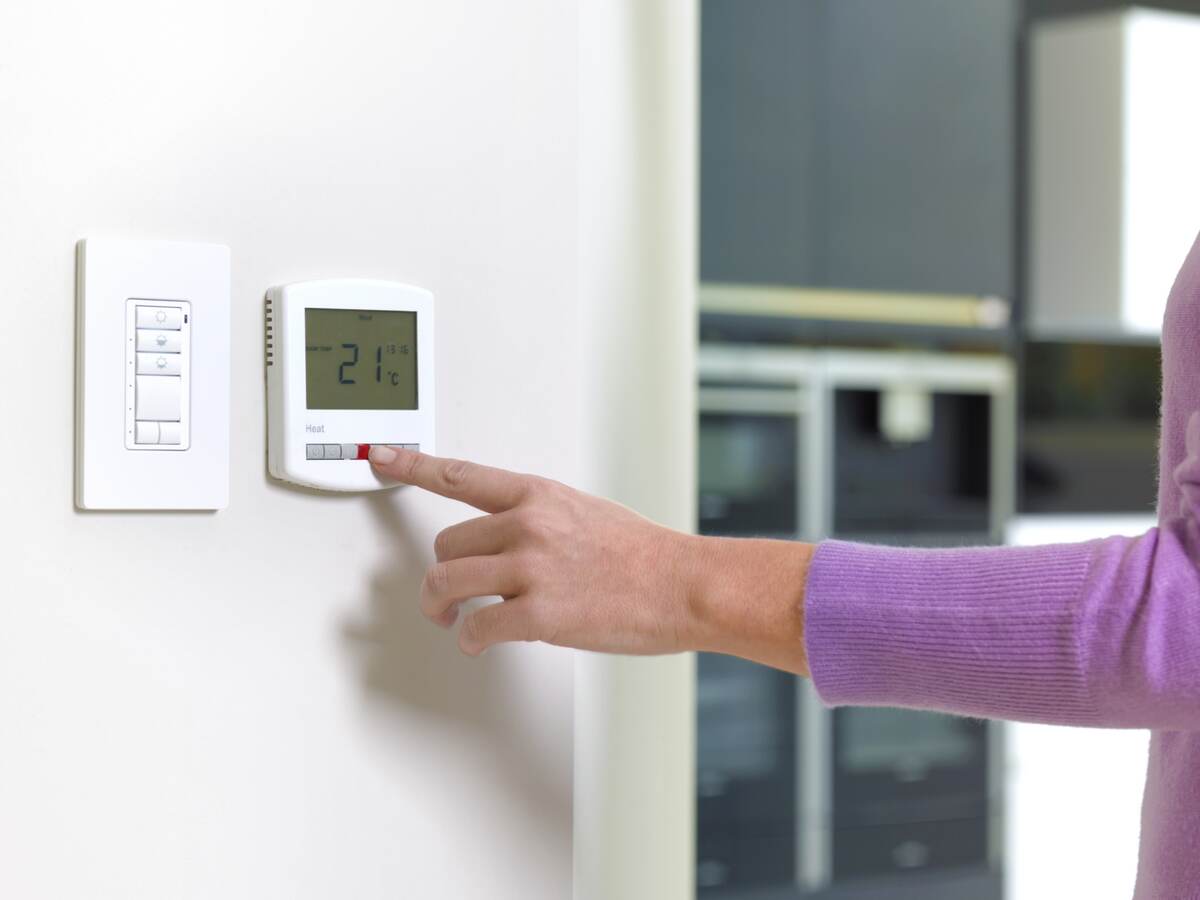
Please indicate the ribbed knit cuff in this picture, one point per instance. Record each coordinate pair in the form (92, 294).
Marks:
(990, 632)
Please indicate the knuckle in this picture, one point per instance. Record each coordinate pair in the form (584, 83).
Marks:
(538, 488)
(455, 472)
(541, 530)
(530, 521)
(409, 464)
(544, 494)
(473, 631)
(521, 569)
(437, 579)
(442, 544)
(525, 521)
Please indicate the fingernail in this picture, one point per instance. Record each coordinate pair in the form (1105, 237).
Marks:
(381, 455)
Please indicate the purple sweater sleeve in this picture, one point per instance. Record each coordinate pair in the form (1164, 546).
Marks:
(1103, 633)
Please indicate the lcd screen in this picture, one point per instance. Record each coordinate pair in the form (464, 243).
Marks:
(360, 359)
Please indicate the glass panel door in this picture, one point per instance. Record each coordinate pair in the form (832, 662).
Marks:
(749, 461)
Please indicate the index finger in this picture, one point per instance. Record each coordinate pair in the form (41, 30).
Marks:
(485, 488)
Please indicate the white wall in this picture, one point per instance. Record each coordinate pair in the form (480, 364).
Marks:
(1074, 795)
(634, 824)
(246, 704)
(1075, 799)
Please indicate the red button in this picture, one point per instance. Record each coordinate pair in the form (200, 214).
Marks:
(364, 451)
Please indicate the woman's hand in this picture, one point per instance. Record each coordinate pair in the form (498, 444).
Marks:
(579, 571)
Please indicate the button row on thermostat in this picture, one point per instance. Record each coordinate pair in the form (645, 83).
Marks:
(345, 451)
(160, 317)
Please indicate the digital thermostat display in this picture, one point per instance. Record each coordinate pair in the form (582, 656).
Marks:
(360, 359)
(349, 365)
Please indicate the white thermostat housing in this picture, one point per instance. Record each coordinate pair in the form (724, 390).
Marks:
(152, 375)
(349, 364)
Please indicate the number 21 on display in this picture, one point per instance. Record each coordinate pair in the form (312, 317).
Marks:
(390, 349)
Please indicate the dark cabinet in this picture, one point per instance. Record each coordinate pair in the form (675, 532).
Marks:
(746, 782)
(860, 144)
(875, 851)
(897, 766)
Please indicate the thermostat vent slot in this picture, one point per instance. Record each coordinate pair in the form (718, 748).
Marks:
(269, 333)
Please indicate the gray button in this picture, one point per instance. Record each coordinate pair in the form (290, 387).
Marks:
(416, 447)
(333, 451)
(349, 451)
(315, 451)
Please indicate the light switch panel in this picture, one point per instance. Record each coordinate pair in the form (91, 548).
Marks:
(152, 375)
(158, 383)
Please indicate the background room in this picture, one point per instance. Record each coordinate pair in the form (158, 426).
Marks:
(935, 243)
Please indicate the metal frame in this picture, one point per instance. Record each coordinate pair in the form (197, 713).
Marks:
(813, 375)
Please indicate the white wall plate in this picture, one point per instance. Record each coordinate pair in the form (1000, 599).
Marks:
(152, 375)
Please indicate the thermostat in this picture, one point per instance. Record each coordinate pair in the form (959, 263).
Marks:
(349, 364)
